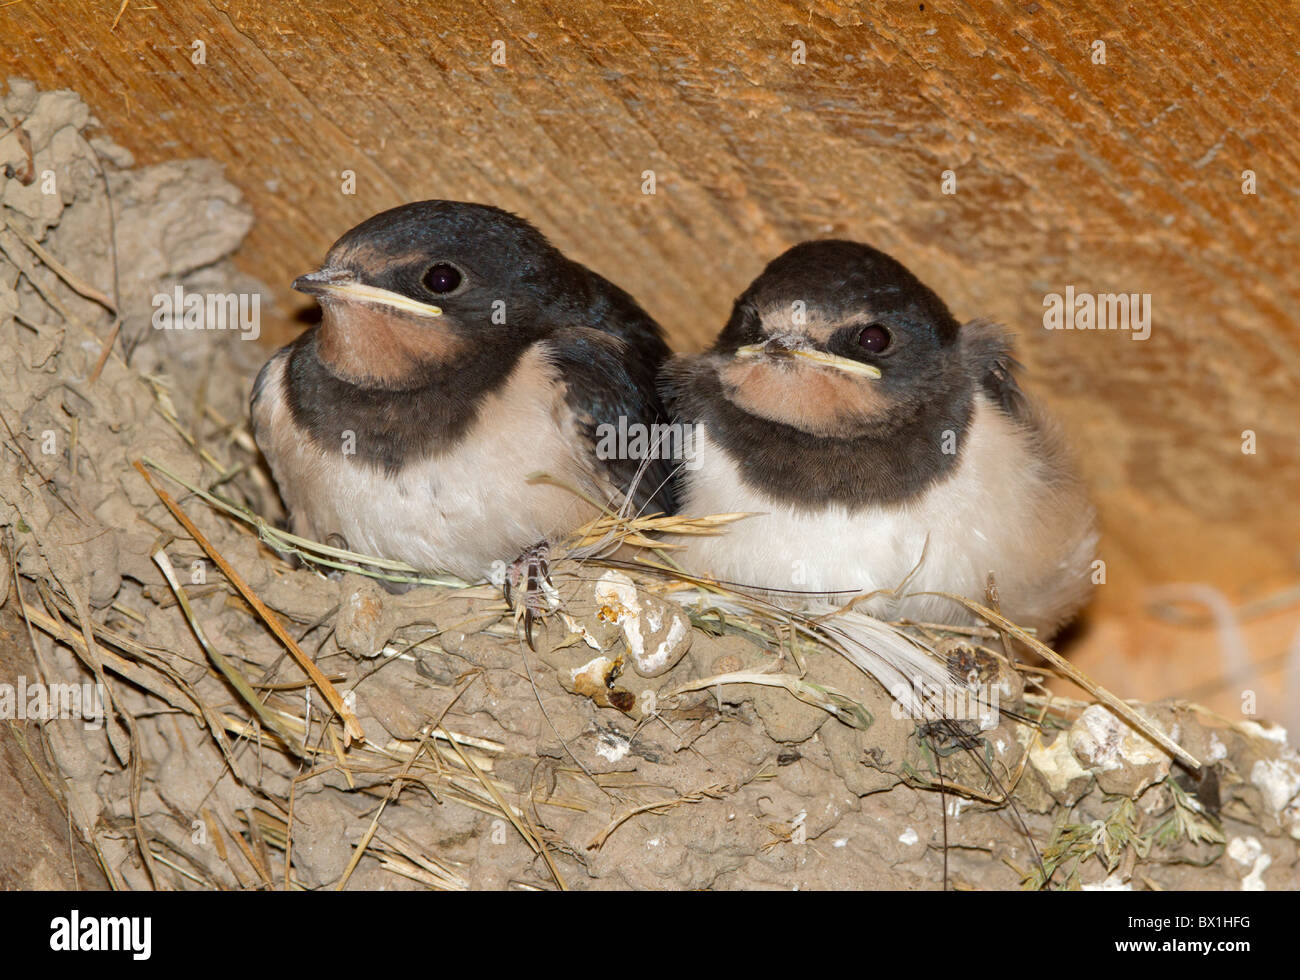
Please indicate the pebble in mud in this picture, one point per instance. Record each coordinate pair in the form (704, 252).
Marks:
(359, 626)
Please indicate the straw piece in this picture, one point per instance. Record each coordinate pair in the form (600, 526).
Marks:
(351, 726)
(237, 680)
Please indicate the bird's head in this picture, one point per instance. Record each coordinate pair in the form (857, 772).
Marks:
(837, 339)
(423, 284)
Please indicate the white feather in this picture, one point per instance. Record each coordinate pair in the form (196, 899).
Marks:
(1008, 508)
(902, 664)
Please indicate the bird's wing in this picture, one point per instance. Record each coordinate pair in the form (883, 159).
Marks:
(988, 354)
(264, 402)
(612, 394)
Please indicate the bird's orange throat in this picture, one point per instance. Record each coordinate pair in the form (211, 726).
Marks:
(369, 345)
(810, 398)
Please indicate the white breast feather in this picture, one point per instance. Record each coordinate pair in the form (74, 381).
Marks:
(460, 511)
(1005, 509)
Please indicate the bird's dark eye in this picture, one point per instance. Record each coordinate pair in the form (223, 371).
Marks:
(874, 339)
(442, 277)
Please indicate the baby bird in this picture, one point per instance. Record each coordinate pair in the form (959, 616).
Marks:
(458, 354)
(882, 447)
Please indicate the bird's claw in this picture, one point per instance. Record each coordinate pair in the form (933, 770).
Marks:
(532, 571)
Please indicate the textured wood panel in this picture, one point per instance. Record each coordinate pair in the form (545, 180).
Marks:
(1122, 177)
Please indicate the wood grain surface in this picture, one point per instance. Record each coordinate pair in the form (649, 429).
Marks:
(1116, 177)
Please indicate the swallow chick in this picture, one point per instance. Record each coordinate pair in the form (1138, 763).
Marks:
(458, 354)
(882, 447)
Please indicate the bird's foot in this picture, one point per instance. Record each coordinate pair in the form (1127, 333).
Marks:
(529, 578)
(334, 540)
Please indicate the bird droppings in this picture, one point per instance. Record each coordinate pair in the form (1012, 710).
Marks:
(1278, 780)
(1057, 766)
(612, 748)
(1121, 759)
(657, 634)
(1274, 733)
(576, 628)
(1249, 853)
(1111, 883)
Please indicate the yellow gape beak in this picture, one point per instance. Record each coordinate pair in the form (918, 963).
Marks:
(344, 285)
(780, 347)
